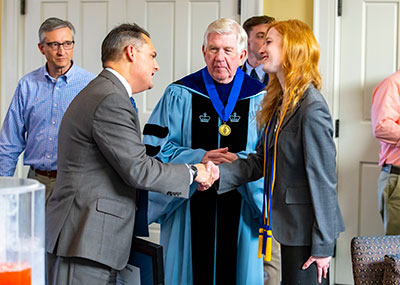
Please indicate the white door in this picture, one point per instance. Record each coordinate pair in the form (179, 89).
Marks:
(369, 49)
(92, 20)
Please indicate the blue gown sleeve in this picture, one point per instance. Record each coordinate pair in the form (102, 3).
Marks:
(250, 267)
(252, 192)
(173, 114)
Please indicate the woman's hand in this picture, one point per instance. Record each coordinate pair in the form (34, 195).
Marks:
(322, 265)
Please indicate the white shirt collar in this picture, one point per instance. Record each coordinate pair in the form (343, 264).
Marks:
(259, 70)
(122, 79)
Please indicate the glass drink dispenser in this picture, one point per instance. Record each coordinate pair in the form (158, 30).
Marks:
(22, 225)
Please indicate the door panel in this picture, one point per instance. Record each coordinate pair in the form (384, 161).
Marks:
(368, 53)
(89, 50)
(92, 20)
(380, 42)
(198, 24)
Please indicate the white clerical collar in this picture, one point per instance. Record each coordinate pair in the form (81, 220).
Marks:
(122, 79)
(260, 72)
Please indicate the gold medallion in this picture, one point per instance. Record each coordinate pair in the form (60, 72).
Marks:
(224, 129)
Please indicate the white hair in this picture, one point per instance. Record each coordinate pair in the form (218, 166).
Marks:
(227, 26)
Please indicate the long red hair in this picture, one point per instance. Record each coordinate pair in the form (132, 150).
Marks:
(300, 57)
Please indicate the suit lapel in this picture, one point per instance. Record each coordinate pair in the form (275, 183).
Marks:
(288, 117)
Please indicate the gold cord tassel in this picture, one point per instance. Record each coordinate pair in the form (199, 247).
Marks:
(260, 242)
(268, 250)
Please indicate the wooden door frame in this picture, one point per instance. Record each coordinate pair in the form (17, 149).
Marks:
(326, 25)
(327, 29)
(11, 52)
(12, 27)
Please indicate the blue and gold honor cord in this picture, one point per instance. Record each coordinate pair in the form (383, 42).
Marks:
(265, 232)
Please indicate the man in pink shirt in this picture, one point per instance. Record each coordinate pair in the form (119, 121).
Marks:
(385, 116)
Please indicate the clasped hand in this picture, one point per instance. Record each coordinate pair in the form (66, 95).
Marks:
(207, 174)
(208, 171)
(218, 156)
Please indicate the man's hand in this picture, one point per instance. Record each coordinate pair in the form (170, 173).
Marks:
(214, 169)
(207, 174)
(322, 265)
(218, 156)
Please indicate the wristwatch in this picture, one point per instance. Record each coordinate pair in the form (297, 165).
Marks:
(193, 170)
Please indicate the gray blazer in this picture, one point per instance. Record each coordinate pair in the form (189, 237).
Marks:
(305, 210)
(101, 164)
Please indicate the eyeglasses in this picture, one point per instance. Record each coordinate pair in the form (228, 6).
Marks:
(56, 45)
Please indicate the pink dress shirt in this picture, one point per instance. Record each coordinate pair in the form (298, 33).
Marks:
(385, 117)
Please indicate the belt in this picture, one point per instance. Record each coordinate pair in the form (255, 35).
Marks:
(48, 173)
(389, 168)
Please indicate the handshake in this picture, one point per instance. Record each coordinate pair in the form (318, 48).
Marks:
(207, 174)
(208, 171)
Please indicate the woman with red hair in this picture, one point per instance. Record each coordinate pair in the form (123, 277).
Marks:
(297, 158)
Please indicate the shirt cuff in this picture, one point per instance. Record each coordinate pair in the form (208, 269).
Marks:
(191, 171)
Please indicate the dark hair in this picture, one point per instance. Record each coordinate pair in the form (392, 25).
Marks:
(52, 24)
(256, 20)
(118, 38)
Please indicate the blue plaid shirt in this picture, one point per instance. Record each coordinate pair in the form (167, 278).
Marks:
(34, 117)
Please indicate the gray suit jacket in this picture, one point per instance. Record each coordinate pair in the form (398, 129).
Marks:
(305, 210)
(101, 164)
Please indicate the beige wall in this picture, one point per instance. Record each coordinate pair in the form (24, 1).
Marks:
(290, 9)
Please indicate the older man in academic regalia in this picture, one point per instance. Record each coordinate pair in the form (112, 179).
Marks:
(210, 115)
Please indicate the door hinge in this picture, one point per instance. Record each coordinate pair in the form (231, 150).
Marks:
(22, 7)
(339, 8)
(337, 124)
(239, 7)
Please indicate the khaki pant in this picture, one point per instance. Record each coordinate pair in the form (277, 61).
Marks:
(273, 268)
(389, 202)
(45, 180)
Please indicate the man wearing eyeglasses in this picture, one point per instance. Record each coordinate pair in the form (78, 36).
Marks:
(39, 103)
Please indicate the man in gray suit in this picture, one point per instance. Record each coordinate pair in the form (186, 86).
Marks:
(102, 164)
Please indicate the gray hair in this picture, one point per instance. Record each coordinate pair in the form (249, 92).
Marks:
(119, 38)
(227, 26)
(52, 24)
